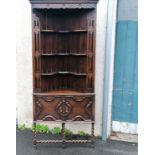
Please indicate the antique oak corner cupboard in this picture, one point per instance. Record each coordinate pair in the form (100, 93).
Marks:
(63, 63)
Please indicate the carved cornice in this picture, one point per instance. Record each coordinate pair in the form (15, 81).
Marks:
(61, 1)
(63, 4)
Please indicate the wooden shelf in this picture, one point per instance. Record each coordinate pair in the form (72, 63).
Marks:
(63, 72)
(64, 92)
(63, 54)
(63, 31)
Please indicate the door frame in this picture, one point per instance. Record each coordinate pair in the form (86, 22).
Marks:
(109, 68)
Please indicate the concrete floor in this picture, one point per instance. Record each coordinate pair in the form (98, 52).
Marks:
(24, 147)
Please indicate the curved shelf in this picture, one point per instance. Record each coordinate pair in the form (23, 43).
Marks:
(63, 72)
(63, 31)
(64, 54)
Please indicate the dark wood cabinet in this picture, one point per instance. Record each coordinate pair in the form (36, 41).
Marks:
(63, 34)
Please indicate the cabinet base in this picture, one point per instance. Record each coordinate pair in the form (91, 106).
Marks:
(63, 140)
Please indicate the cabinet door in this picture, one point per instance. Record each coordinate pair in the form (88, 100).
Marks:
(46, 108)
(82, 108)
(57, 107)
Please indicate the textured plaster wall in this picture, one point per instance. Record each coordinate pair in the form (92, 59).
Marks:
(24, 66)
(24, 63)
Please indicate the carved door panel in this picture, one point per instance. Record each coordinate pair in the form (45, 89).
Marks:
(74, 108)
(46, 108)
(82, 108)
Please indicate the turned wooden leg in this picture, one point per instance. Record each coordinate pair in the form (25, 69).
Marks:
(63, 135)
(34, 137)
(92, 134)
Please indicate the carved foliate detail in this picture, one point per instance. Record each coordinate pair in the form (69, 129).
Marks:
(48, 98)
(36, 53)
(88, 108)
(63, 108)
(90, 51)
(78, 118)
(49, 118)
(38, 108)
(77, 98)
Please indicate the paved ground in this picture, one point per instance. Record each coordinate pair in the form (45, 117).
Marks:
(25, 147)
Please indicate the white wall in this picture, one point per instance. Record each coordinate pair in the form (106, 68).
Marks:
(24, 66)
(24, 63)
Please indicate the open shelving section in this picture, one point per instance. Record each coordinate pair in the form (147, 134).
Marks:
(64, 49)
